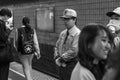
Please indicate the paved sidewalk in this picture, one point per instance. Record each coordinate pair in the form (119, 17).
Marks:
(16, 73)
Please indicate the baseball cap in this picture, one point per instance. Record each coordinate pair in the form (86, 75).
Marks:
(115, 11)
(68, 13)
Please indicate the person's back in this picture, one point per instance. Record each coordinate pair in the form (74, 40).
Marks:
(26, 38)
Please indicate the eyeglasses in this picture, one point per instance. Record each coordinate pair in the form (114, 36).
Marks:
(67, 19)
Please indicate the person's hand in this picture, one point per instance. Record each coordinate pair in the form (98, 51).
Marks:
(37, 55)
(64, 56)
(57, 61)
(117, 41)
(63, 65)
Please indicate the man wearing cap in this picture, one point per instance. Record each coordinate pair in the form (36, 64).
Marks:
(114, 24)
(65, 54)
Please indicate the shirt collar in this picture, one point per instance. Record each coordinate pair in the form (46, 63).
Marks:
(72, 31)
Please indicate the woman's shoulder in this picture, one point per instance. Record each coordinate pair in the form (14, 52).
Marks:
(81, 73)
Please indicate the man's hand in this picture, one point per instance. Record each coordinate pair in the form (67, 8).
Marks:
(65, 56)
(57, 61)
(117, 41)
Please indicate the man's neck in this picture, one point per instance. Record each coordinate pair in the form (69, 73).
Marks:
(70, 27)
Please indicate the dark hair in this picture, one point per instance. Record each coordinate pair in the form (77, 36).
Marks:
(87, 36)
(5, 11)
(26, 22)
(74, 18)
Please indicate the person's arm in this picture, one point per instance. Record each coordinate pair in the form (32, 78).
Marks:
(56, 49)
(16, 39)
(36, 44)
(72, 52)
(56, 53)
(3, 32)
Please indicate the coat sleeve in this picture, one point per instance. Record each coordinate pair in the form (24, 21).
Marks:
(56, 49)
(36, 44)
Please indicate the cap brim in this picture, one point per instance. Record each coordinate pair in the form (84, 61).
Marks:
(109, 14)
(65, 17)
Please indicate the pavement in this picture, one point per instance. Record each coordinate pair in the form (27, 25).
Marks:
(16, 73)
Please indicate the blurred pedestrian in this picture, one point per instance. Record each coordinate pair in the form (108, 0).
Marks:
(67, 45)
(95, 43)
(25, 32)
(114, 24)
(5, 14)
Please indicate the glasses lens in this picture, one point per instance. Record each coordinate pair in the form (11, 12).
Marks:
(67, 18)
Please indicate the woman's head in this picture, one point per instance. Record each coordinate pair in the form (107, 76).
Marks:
(25, 21)
(94, 42)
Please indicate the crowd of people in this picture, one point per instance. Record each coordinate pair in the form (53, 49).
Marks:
(91, 53)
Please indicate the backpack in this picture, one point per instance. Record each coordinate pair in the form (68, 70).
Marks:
(27, 42)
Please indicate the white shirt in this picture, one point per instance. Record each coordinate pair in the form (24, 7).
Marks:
(81, 73)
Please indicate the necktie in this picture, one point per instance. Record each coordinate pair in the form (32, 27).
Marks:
(67, 33)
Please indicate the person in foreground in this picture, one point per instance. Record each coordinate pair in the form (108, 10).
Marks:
(95, 43)
(5, 14)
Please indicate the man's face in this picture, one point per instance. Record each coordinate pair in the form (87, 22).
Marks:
(69, 22)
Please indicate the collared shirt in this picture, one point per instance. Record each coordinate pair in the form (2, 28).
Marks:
(70, 47)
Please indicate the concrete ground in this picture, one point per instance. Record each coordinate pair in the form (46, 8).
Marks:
(16, 73)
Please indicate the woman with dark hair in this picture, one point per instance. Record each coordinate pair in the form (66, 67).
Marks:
(26, 59)
(95, 43)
